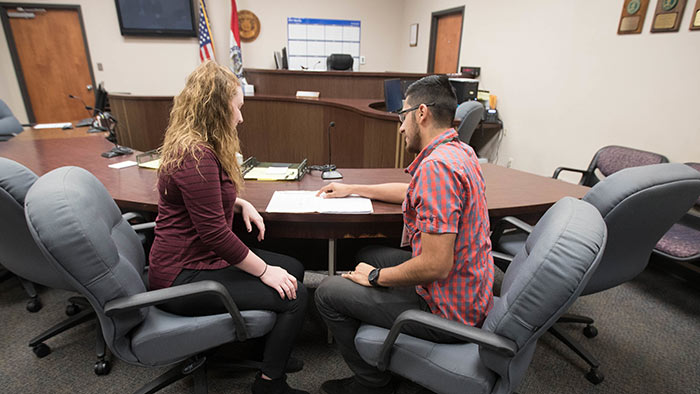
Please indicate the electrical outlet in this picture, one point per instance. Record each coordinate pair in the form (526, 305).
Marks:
(510, 162)
(99, 66)
(362, 60)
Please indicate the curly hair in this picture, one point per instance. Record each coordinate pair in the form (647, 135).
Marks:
(202, 116)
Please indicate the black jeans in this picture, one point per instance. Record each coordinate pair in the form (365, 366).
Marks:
(249, 292)
(344, 305)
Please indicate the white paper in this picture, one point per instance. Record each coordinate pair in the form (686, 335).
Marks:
(277, 170)
(305, 201)
(351, 33)
(51, 125)
(123, 164)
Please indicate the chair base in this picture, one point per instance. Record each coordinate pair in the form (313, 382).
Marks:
(197, 367)
(593, 375)
(79, 311)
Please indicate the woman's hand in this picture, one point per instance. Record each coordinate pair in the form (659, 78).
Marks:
(251, 215)
(283, 282)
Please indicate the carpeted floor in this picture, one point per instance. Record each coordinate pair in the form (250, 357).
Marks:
(649, 342)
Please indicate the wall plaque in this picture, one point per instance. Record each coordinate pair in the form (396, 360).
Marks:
(695, 20)
(632, 17)
(248, 25)
(668, 15)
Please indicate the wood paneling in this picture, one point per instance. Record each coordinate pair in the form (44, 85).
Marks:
(141, 120)
(331, 84)
(286, 129)
(54, 63)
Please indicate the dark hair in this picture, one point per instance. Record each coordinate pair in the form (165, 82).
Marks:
(435, 89)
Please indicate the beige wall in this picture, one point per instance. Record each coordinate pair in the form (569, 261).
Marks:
(159, 66)
(567, 83)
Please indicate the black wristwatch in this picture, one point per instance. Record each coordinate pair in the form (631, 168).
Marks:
(373, 278)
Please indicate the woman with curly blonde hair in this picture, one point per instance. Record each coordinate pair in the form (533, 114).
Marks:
(198, 183)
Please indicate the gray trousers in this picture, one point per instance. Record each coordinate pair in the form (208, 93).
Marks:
(344, 305)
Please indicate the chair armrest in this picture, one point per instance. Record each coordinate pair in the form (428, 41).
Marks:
(157, 297)
(132, 215)
(560, 169)
(143, 226)
(457, 330)
(506, 223)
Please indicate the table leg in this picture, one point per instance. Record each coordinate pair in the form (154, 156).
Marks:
(331, 272)
(331, 256)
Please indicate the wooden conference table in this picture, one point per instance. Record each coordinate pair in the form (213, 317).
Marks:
(508, 191)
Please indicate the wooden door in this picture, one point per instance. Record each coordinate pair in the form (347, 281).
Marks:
(51, 61)
(445, 41)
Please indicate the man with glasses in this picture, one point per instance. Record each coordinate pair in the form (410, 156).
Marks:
(449, 270)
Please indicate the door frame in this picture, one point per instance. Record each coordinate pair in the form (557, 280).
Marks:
(433, 35)
(15, 55)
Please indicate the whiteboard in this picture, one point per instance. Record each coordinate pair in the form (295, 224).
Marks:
(310, 41)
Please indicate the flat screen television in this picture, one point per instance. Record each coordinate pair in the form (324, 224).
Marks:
(156, 18)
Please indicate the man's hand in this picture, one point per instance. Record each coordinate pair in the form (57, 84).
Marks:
(335, 190)
(360, 274)
(250, 214)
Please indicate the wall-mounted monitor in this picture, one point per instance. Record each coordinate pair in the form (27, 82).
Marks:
(156, 18)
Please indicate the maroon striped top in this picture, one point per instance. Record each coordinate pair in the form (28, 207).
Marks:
(194, 223)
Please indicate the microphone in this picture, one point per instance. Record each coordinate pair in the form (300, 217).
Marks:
(118, 150)
(329, 170)
(87, 108)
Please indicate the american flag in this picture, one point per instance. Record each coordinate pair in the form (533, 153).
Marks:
(206, 48)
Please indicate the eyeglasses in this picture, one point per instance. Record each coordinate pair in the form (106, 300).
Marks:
(403, 112)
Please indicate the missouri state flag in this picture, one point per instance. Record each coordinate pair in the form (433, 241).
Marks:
(235, 40)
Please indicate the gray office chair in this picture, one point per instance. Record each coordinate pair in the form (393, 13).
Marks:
(544, 279)
(20, 255)
(638, 205)
(611, 159)
(9, 125)
(78, 227)
(470, 114)
(681, 243)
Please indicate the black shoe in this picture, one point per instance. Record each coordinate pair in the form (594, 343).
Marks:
(352, 386)
(274, 386)
(293, 365)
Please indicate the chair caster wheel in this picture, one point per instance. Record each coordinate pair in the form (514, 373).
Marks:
(590, 331)
(72, 310)
(102, 367)
(34, 305)
(41, 350)
(594, 376)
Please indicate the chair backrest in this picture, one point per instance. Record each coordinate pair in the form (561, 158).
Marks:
(695, 166)
(80, 230)
(639, 205)
(339, 61)
(470, 113)
(543, 280)
(611, 159)
(8, 122)
(18, 251)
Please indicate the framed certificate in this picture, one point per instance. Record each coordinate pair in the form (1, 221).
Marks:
(413, 35)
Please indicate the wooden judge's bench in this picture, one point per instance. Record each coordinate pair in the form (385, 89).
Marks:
(282, 128)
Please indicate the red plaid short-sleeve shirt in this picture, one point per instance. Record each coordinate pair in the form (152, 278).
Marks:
(447, 195)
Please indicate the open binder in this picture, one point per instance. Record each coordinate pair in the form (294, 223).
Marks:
(268, 171)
